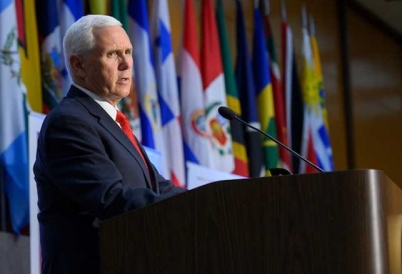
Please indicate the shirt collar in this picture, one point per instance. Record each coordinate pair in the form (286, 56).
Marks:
(109, 108)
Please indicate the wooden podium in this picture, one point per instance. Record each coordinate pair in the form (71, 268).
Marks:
(335, 222)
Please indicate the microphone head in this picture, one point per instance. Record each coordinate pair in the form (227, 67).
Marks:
(227, 113)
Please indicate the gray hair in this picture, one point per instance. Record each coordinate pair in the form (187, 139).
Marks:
(79, 38)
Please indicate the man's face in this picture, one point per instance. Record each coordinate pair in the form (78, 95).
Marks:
(108, 68)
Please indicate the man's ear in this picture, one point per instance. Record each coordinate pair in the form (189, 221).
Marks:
(77, 65)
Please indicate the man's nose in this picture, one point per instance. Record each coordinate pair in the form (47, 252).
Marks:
(126, 62)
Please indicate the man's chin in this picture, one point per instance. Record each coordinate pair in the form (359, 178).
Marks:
(126, 93)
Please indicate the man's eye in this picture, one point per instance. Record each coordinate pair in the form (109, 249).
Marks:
(112, 54)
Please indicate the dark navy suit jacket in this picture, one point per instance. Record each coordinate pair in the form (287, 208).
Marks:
(86, 170)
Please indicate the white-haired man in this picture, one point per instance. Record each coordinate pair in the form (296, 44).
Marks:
(88, 167)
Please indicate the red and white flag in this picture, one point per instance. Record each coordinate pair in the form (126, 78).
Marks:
(197, 145)
(213, 79)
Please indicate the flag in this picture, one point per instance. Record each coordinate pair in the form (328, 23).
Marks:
(265, 100)
(315, 141)
(13, 136)
(118, 9)
(168, 91)
(197, 146)
(318, 71)
(279, 105)
(29, 52)
(69, 11)
(293, 96)
(232, 97)
(246, 87)
(327, 162)
(214, 91)
(145, 81)
(98, 6)
(309, 93)
(50, 53)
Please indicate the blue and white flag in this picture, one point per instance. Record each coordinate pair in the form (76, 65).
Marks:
(69, 12)
(13, 138)
(168, 91)
(150, 114)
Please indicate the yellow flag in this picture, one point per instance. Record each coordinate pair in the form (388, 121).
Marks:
(29, 54)
(98, 6)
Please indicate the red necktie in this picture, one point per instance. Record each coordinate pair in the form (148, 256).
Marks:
(125, 126)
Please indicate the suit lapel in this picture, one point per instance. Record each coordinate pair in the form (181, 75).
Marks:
(111, 126)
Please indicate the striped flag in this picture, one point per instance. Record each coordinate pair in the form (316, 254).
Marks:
(265, 100)
(215, 91)
(293, 95)
(246, 87)
(50, 53)
(197, 146)
(13, 136)
(168, 91)
(315, 141)
(279, 97)
(69, 11)
(232, 97)
(150, 115)
(29, 52)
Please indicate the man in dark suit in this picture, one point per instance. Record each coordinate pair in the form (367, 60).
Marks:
(87, 169)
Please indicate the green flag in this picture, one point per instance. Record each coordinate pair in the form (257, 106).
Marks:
(232, 97)
(118, 9)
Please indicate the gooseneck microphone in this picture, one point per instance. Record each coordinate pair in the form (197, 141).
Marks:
(229, 114)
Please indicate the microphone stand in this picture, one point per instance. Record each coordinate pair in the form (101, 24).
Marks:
(279, 143)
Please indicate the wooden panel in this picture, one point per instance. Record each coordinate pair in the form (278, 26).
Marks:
(376, 85)
(313, 223)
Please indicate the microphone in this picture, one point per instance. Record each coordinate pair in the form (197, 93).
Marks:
(229, 114)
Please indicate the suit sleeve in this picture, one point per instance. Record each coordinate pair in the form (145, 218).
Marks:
(76, 162)
(166, 187)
